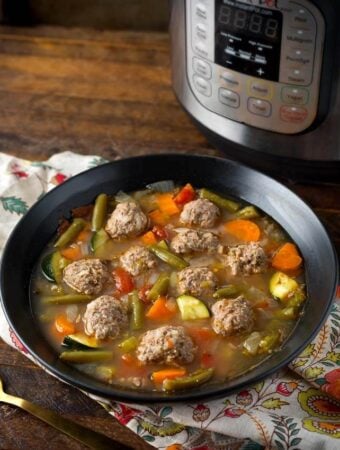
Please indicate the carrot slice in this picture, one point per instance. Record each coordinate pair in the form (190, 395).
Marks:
(161, 375)
(83, 236)
(185, 195)
(63, 325)
(149, 238)
(287, 257)
(73, 253)
(158, 218)
(167, 204)
(159, 310)
(201, 335)
(242, 229)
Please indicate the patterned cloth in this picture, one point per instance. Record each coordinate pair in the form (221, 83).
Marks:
(297, 408)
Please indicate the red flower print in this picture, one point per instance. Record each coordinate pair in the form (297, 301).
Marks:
(286, 389)
(233, 412)
(16, 342)
(244, 398)
(58, 178)
(125, 414)
(201, 413)
(333, 384)
(15, 170)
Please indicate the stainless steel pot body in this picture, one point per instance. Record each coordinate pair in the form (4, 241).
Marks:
(300, 138)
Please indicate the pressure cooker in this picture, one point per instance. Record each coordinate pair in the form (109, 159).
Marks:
(261, 79)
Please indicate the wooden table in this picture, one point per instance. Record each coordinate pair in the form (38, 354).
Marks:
(102, 93)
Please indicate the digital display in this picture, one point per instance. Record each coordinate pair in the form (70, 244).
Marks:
(254, 24)
(248, 38)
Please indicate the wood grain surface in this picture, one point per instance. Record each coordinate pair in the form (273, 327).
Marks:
(105, 93)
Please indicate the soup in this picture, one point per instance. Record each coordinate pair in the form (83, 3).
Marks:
(168, 288)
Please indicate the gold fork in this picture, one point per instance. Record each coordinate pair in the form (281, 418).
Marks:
(88, 437)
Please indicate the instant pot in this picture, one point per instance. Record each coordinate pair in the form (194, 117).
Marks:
(261, 79)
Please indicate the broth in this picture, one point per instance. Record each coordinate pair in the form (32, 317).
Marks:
(268, 287)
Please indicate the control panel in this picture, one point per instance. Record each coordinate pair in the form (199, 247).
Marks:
(257, 62)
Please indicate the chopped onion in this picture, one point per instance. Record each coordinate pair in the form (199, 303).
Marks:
(72, 313)
(251, 344)
(153, 277)
(202, 261)
(123, 197)
(162, 186)
(139, 194)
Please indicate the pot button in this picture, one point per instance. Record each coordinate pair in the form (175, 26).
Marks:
(229, 98)
(259, 89)
(296, 76)
(294, 96)
(201, 49)
(203, 86)
(230, 79)
(293, 114)
(201, 67)
(300, 36)
(201, 31)
(201, 11)
(259, 107)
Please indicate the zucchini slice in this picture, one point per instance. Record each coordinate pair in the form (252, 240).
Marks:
(52, 267)
(191, 308)
(80, 341)
(281, 285)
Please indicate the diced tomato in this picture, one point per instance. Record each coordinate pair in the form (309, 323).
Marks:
(185, 195)
(160, 232)
(124, 281)
(207, 360)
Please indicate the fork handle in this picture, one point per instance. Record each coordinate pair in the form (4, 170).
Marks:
(84, 435)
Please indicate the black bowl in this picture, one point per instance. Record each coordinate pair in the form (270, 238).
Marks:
(38, 226)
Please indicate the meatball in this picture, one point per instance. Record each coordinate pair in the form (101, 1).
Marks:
(166, 344)
(137, 260)
(201, 212)
(195, 241)
(126, 220)
(86, 276)
(105, 317)
(246, 259)
(196, 281)
(232, 316)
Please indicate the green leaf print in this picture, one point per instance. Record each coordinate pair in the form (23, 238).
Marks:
(273, 403)
(308, 351)
(313, 372)
(97, 161)
(14, 205)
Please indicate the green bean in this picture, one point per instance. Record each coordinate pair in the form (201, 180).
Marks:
(129, 344)
(226, 291)
(189, 381)
(99, 212)
(137, 316)
(170, 258)
(160, 287)
(85, 356)
(73, 230)
(66, 299)
(163, 244)
(249, 212)
(269, 342)
(222, 202)
(288, 313)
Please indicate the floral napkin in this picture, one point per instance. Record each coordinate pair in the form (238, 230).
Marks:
(297, 408)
